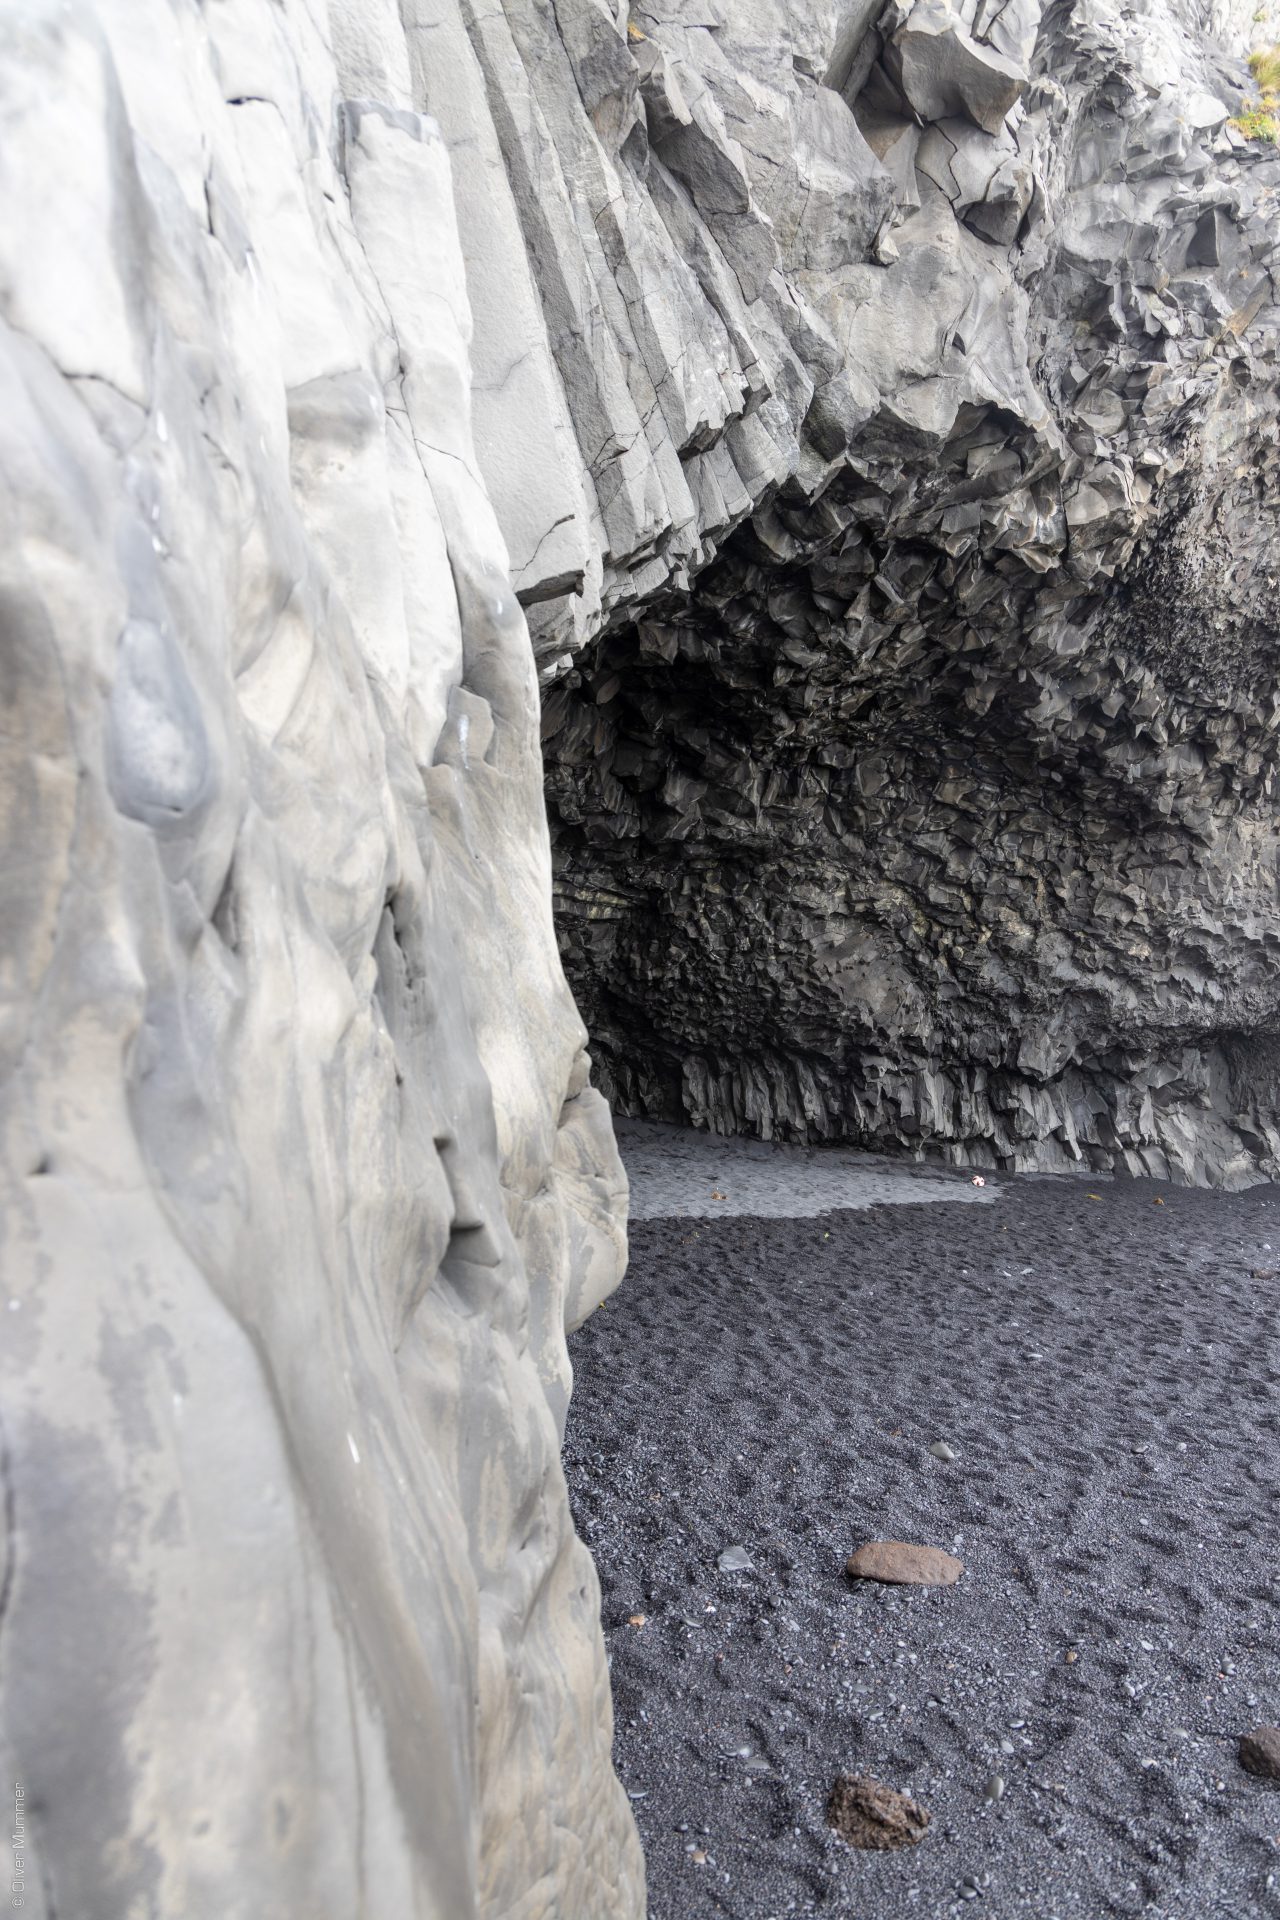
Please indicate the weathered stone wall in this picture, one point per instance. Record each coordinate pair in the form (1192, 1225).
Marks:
(301, 1174)
(911, 752)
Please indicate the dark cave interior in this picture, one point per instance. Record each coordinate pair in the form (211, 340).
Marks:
(887, 833)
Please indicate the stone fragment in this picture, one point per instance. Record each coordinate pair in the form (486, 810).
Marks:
(941, 69)
(1260, 1752)
(897, 1563)
(841, 192)
(867, 1814)
(736, 1560)
(941, 1451)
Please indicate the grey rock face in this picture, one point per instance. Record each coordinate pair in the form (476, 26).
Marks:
(940, 69)
(302, 1173)
(911, 743)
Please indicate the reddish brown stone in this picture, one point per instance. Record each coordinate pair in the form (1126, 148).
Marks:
(903, 1565)
(866, 1814)
(1260, 1752)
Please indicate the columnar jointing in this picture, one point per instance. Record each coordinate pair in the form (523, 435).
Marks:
(937, 810)
(892, 876)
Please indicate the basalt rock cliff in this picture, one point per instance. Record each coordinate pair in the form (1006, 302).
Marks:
(911, 753)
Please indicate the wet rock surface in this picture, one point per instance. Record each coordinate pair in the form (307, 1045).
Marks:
(1108, 1371)
(911, 750)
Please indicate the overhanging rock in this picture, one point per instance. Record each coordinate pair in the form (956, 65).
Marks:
(911, 747)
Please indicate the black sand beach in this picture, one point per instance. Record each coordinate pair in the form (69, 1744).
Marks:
(1107, 1371)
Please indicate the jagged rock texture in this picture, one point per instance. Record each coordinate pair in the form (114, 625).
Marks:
(871, 416)
(911, 748)
(301, 1173)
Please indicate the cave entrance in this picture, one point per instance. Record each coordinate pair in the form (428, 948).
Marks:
(737, 787)
(834, 862)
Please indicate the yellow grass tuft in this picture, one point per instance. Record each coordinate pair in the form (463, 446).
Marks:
(1260, 119)
(1265, 68)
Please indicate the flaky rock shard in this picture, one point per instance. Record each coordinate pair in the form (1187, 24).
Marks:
(867, 1814)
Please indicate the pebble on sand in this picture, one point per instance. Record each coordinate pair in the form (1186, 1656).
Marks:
(941, 1451)
(1260, 1752)
(900, 1564)
(736, 1560)
(867, 1814)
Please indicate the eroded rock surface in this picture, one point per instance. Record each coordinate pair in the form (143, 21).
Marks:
(911, 721)
(871, 413)
(302, 1172)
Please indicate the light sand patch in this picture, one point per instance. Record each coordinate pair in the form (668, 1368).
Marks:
(678, 1173)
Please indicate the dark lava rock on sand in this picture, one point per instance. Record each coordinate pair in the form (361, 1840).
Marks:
(1109, 1373)
(1260, 1752)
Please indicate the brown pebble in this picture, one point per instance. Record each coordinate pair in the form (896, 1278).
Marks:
(903, 1565)
(866, 1814)
(1260, 1752)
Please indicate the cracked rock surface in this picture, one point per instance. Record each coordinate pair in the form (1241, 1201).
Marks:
(904, 566)
(302, 1176)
